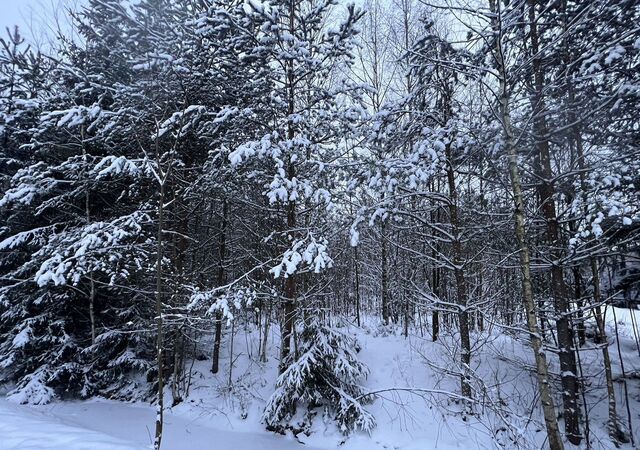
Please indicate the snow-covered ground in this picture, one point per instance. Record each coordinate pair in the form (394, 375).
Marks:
(103, 424)
(218, 416)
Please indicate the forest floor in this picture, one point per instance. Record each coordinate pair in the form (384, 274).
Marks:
(413, 410)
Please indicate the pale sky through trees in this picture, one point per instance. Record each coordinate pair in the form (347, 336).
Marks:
(33, 17)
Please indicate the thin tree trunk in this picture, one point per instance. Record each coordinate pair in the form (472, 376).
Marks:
(435, 326)
(290, 281)
(578, 293)
(265, 335)
(406, 316)
(87, 211)
(435, 281)
(542, 371)
(159, 324)
(92, 314)
(479, 312)
(222, 254)
(233, 334)
(217, 338)
(357, 273)
(461, 283)
(613, 424)
(624, 375)
(563, 329)
(178, 354)
(385, 274)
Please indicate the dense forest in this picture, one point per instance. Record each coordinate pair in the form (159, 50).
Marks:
(299, 176)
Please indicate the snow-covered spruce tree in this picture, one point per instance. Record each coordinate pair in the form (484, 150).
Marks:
(131, 100)
(23, 80)
(80, 243)
(186, 102)
(326, 374)
(91, 188)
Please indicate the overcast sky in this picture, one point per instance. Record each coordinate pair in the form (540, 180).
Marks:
(10, 11)
(34, 17)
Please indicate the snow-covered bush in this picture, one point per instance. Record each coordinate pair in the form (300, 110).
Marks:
(44, 351)
(325, 374)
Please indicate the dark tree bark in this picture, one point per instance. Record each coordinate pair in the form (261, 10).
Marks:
(159, 321)
(222, 255)
(546, 192)
(461, 282)
(384, 260)
(290, 281)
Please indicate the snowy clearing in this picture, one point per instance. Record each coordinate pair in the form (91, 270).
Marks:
(108, 425)
(408, 420)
